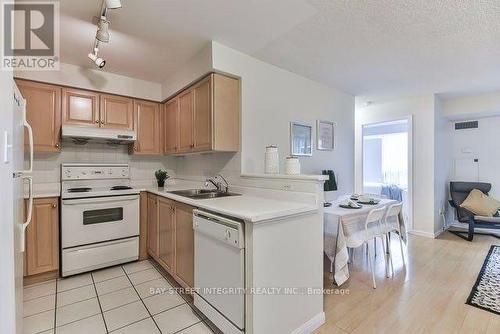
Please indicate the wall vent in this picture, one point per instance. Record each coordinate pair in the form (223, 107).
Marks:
(466, 125)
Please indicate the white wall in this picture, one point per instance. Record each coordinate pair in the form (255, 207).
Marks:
(193, 69)
(422, 110)
(99, 80)
(442, 164)
(271, 98)
(472, 106)
(482, 144)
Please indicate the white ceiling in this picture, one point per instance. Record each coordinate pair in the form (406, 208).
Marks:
(361, 47)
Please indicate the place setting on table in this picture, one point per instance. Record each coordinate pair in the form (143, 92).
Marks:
(344, 217)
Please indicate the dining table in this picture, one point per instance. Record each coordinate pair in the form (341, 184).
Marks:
(339, 224)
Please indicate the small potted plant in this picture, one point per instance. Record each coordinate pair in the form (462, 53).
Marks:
(161, 175)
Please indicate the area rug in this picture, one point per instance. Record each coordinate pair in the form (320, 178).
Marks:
(485, 293)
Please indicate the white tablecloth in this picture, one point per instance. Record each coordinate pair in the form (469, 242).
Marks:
(339, 224)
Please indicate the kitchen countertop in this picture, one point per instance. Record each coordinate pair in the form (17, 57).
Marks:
(41, 190)
(249, 208)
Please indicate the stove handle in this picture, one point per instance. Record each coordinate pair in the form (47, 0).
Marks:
(76, 201)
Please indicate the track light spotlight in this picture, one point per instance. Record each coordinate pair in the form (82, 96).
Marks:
(99, 62)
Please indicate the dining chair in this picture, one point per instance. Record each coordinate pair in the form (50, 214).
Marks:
(391, 224)
(371, 231)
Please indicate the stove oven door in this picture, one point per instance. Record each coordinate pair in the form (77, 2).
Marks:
(87, 221)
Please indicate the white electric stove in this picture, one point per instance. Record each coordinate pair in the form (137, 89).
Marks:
(99, 217)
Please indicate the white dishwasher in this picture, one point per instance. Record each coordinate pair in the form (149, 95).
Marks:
(219, 270)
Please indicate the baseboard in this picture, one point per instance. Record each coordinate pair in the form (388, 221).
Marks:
(310, 326)
(33, 279)
(438, 233)
(422, 234)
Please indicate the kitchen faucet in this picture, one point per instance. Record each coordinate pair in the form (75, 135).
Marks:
(218, 181)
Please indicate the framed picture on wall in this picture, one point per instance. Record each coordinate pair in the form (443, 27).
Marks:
(325, 135)
(300, 139)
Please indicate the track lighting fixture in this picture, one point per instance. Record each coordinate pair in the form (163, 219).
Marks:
(102, 34)
(113, 4)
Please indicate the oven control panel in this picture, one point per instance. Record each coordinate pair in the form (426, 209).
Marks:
(94, 172)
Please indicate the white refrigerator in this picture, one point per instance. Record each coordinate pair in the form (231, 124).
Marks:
(13, 176)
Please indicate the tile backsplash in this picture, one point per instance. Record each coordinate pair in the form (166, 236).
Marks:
(47, 166)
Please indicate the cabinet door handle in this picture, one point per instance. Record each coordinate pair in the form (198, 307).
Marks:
(57, 145)
(102, 122)
(97, 121)
(54, 206)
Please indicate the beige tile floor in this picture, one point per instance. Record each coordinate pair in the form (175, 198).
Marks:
(112, 300)
(427, 296)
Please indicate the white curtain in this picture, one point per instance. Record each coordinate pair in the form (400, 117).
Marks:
(395, 159)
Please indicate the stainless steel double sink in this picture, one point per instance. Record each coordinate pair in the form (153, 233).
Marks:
(202, 193)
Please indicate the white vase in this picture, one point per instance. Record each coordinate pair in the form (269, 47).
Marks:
(272, 160)
(292, 166)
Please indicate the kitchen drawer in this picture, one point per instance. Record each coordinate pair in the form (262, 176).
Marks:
(91, 257)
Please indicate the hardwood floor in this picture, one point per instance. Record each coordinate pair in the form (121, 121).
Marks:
(427, 297)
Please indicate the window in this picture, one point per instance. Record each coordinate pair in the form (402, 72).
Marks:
(386, 159)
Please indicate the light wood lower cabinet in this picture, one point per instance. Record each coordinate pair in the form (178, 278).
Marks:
(152, 226)
(143, 226)
(171, 237)
(184, 244)
(166, 222)
(42, 238)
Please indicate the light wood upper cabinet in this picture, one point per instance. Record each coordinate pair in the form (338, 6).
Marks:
(202, 97)
(42, 237)
(170, 128)
(166, 216)
(116, 112)
(208, 116)
(152, 226)
(147, 125)
(43, 112)
(186, 140)
(80, 107)
(184, 244)
(226, 113)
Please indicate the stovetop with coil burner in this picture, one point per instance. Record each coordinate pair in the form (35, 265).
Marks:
(95, 180)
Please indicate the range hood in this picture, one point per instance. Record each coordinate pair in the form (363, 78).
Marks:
(84, 134)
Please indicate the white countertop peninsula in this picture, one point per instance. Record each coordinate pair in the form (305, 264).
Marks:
(283, 247)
